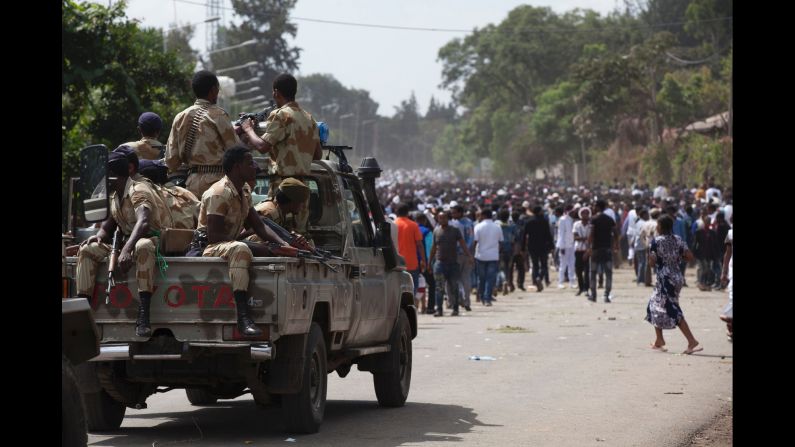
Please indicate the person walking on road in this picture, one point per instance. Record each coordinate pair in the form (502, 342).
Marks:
(538, 242)
(581, 230)
(663, 312)
(445, 239)
(565, 245)
(488, 236)
(601, 243)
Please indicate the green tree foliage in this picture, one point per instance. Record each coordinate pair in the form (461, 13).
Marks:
(112, 72)
(536, 86)
(267, 22)
(178, 41)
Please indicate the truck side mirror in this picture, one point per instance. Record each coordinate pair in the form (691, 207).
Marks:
(383, 240)
(94, 183)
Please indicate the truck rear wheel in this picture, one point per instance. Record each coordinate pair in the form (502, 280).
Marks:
(392, 387)
(303, 411)
(103, 412)
(73, 418)
(200, 396)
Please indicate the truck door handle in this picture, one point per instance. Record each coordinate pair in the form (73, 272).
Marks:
(363, 270)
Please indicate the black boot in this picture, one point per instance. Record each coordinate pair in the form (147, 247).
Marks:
(142, 328)
(244, 323)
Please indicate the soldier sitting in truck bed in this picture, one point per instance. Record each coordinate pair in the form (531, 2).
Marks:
(291, 198)
(181, 203)
(225, 209)
(138, 211)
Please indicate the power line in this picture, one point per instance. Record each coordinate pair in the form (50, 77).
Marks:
(412, 28)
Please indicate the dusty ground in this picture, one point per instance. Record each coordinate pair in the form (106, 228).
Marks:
(567, 372)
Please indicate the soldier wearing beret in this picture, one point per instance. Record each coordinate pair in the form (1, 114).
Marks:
(290, 201)
(138, 211)
(148, 147)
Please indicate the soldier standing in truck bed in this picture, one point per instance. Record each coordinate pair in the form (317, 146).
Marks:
(200, 135)
(291, 138)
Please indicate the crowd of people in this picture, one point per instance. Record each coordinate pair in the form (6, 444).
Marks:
(482, 237)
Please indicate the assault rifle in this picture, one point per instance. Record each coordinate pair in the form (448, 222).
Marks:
(114, 256)
(257, 117)
(304, 251)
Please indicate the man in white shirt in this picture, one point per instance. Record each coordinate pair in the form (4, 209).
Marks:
(565, 245)
(712, 191)
(660, 191)
(488, 236)
(640, 246)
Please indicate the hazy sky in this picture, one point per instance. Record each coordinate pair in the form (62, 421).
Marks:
(388, 63)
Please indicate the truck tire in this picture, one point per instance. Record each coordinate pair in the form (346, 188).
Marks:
(73, 416)
(200, 396)
(103, 413)
(303, 411)
(392, 387)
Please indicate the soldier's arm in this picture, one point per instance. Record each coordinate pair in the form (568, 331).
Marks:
(253, 221)
(172, 150)
(318, 152)
(226, 131)
(215, 229)
(104, 233)
(250, 138)
(140, 229)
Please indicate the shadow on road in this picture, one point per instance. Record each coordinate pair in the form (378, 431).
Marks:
(346, 423)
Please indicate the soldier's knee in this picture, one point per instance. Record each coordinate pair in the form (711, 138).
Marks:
(145, 244)
(240, 255)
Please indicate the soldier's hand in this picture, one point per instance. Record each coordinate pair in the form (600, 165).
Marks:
(90, 240)
(246, 124)
(300, 242)
(125, 260)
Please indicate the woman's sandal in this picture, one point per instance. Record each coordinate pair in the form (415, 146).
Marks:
(689, 351)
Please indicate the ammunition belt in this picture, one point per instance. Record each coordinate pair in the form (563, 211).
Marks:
(206, 169)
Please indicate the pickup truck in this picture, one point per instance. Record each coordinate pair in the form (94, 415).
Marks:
(316, 317)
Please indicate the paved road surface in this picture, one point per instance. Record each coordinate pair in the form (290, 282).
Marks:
(575, 374)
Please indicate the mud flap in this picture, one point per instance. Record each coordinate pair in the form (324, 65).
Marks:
(285, 374)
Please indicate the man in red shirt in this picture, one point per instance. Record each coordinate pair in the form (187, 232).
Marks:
(410, 244)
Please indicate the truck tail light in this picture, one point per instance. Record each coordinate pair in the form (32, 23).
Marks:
(65, 287)
(232, 334)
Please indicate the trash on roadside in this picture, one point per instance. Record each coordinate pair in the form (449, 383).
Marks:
(611, 318)
(289, 440)
(481, 357)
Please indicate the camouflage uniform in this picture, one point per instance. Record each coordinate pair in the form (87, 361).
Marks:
(146, 148)
(214, 135)
(293, 136)
(181, 204)
(222, 199)
(137, 194)
(270, 210)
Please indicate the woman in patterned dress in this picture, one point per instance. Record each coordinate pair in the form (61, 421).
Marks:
(663, 312)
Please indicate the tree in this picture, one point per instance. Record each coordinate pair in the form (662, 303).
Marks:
(112, 71)
(178, 41)
(267, 22)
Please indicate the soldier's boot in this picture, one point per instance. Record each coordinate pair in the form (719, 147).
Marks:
(245, 324)
(142, 328)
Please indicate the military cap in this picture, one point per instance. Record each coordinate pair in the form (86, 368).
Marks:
(117, 163)
(129, 153)
(150, 122)
(294, 189)
(154, 170)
